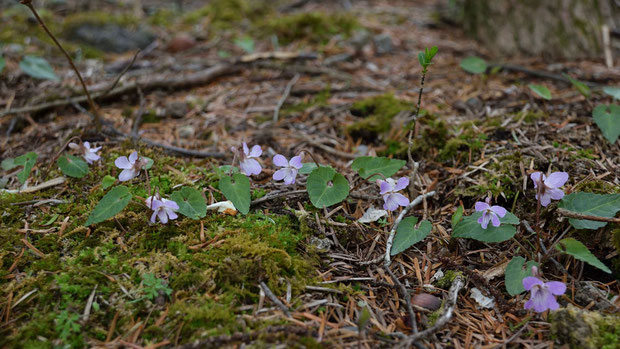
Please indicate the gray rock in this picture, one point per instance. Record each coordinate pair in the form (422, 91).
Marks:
(186, 131)
(110, 37)
(176, 109)
(322, 245)
(383, 43)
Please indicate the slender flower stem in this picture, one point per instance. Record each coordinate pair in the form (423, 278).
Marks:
(415, 116)
(313, 159)
(537, 228)
(28, 3)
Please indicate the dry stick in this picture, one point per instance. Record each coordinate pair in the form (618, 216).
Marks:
(148, 83)
(287, 92)
(450, 305)
(276, 195)
(120, 75)
(274, 299)
(390, 240)
(571, 214)
(325, 148)
(28, 3)
(405, 295)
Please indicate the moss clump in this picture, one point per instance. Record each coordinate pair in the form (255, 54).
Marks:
(585, 329)
(225, 14)
(209, 283)
(309, 27)
(377, 113)
(446, 281)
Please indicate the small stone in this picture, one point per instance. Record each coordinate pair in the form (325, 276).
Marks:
(176, 110)
(322, 245)
(186, 131)
(383, 44)
(180, 43)
(427, 301)
(110, 37)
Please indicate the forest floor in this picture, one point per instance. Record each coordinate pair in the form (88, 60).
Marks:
(347, 86)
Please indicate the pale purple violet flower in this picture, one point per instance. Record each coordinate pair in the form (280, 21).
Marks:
(489, 213)
(389, 189)
(547, 187)
(131, 166)
(89, 154)
(162, 208)
(249, 166)
(289, 170)
(543, 293)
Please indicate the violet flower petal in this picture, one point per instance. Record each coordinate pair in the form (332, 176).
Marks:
(401, 184)
(556, 287)
(296, 162)
(133, 157)
(530, 281)
(556, 179)
(481, 206)
(280, 160)
(127, 174)
(255, 152)
(123, 163)
(500, 211)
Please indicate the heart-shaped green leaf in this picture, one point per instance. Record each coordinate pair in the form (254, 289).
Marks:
(578, 250)
(470, 228)
(607, 118)
(37, 68)
(457, 216)
(72, 166)
(367, 166)
(474, 65)
(515, 273)
(540, 90)
(326, 187)
(191, 202)
(602, 205)
(407, 235)
(612, 91)
(237, 190)
(112, 203)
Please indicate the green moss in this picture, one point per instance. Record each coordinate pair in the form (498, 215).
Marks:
(447, 279)
(309, 27)
(208, 283)
(377, 114)
(585, 329)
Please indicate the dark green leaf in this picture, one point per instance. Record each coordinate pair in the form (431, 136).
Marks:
(368, 166)
(237, 190)
(112, 203)
(607, 118)
(37, 68)
(578, 250)
(474, 65)
(515, 273)
(326, 187)
(470, 228)
(602, 205)
(72, 166)
(2, 64)
(191, 202)
(407, 235)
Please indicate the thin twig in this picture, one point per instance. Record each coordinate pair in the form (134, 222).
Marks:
(388, 246)
(28, 3)
(275, 299)
(450, 305)
(405, 295)
(571, 214)
(120, 75)
(275, 195)
(287, 92)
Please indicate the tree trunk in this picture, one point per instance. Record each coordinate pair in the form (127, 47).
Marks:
(548, 28)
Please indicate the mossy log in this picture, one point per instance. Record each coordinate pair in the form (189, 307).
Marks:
(552, 29)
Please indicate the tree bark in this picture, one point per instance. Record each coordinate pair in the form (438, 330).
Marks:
(549, 28)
